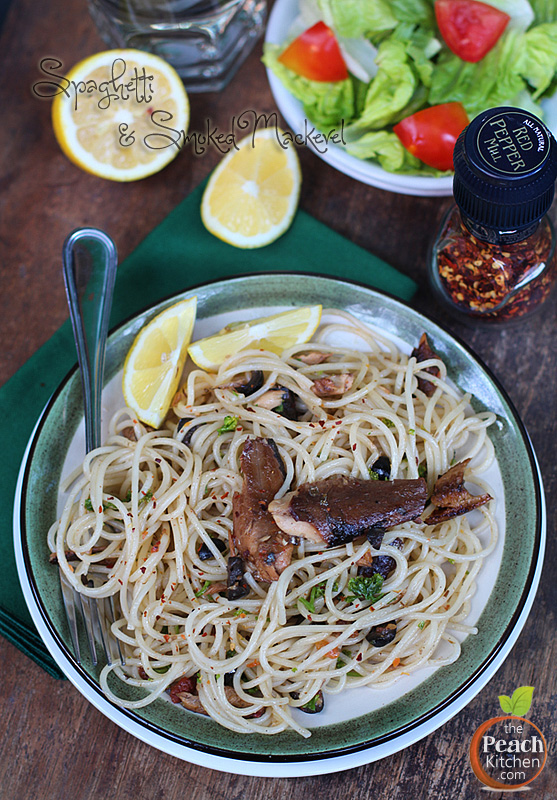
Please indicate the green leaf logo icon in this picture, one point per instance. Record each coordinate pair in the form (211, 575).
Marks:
(506, 704)
(519, 704)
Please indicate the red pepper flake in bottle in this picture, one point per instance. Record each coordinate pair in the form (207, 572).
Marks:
(494, 257)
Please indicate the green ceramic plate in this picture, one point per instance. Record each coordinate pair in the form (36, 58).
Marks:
(364, 724)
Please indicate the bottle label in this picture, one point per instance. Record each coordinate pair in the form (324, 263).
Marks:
(513, 143)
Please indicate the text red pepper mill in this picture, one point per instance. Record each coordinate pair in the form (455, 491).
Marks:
(494, 256)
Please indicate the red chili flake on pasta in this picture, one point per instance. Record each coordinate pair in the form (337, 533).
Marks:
(359, 657)
(354, 446)
(224, 496)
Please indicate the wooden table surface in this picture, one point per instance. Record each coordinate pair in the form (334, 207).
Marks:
(54, 744)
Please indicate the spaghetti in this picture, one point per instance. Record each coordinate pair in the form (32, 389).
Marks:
(149, 519)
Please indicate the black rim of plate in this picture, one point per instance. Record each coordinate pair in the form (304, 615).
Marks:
(338, 751)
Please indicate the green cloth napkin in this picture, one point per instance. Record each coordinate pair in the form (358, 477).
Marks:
(179, 253)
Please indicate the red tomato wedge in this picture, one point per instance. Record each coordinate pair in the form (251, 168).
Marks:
(430, 134)
(315, 54)
(469, 28)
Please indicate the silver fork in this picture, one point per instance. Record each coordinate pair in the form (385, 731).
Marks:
(90, 260)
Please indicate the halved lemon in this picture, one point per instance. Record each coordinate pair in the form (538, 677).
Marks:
(155, 362)
(275, 333)
(110, 119)
(252, 196)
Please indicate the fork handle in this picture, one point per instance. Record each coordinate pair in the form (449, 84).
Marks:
(90, 258)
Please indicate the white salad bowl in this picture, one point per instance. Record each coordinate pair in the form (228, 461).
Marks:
(283, 14)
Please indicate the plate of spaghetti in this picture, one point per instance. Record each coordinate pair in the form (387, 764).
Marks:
(310, 561)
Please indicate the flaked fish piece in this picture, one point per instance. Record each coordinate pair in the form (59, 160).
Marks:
(313, 357)
(451, 498)
(71, 556)
(338, 509)
(129, 433)
(279, 399)
(184, 691)
(423, 352)
(332, 385)
(246, 384)
(256, 538)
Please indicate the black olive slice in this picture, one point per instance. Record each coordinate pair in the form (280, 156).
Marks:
(237, 586)
(380, 635)
(382, 468)
(204, 551)
(313, 706)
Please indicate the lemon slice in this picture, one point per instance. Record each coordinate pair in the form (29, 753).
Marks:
(156, 361)
(252, 196)
(109, 120)
(274, 333)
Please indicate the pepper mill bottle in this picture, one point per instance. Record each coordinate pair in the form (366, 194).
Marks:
(494, 256)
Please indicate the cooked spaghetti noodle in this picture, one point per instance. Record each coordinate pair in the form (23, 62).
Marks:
(141, 506)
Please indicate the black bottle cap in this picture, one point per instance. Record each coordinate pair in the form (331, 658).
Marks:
(505, 165)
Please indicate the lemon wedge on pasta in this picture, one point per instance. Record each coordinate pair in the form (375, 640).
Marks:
(155, 362)
(275, 333)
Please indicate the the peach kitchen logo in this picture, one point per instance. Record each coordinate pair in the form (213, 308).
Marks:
(508, 752)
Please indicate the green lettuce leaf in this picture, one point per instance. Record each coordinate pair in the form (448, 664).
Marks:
(545, 10)
(415, 11)
(493, 81)
(353, 18)
(325, 104)
(390, 91)
(537, 61)
(421, 45)
(385, 148)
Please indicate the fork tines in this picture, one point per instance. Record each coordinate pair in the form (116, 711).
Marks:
(97, 615)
